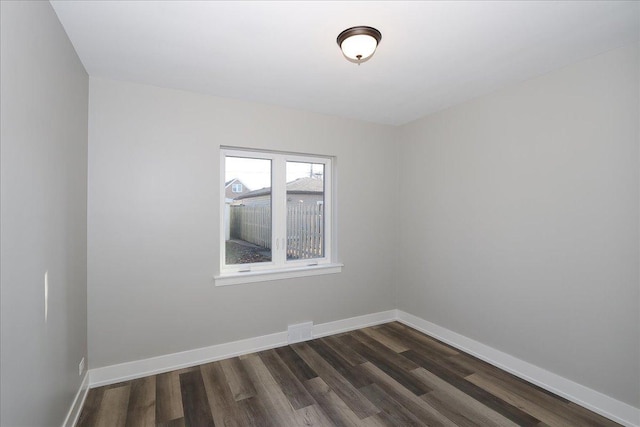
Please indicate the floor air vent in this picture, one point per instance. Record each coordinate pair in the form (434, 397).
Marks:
(300, 332)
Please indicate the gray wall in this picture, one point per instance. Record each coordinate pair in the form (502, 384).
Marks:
(520, 227)
(43, 135)
(153, 241)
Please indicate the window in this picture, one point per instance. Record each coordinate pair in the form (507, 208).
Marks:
(236, 188)
(283, 228)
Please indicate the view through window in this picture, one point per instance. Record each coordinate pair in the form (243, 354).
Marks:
(305, 205)
(249, 233)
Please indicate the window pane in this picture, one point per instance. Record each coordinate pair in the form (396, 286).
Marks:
(305, 210)
(247, 210)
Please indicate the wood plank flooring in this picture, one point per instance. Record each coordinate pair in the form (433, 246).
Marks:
(386, 375)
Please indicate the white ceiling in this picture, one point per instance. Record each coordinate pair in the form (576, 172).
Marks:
(432, 55)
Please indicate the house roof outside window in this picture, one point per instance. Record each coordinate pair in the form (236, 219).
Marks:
(306, 185)
(228, 188)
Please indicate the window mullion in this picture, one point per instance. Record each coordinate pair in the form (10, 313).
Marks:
(279, 211)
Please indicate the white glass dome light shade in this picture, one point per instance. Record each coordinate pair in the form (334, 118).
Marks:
(359, 48)
(358, 44)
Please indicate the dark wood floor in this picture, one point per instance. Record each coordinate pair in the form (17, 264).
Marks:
(387, 375)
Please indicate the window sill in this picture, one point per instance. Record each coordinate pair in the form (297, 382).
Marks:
(226, 279)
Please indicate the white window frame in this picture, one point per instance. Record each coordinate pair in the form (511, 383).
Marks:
(280, 267)
(236, 188)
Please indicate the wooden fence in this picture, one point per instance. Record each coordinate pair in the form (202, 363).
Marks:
(305, 231)
(251, 224)
(305, 228)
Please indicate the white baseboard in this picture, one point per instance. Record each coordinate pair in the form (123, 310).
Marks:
(169, 362)
(595, 401)
(344, 325)
(78, 401)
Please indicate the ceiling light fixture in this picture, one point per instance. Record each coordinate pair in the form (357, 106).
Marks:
(359, 43)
